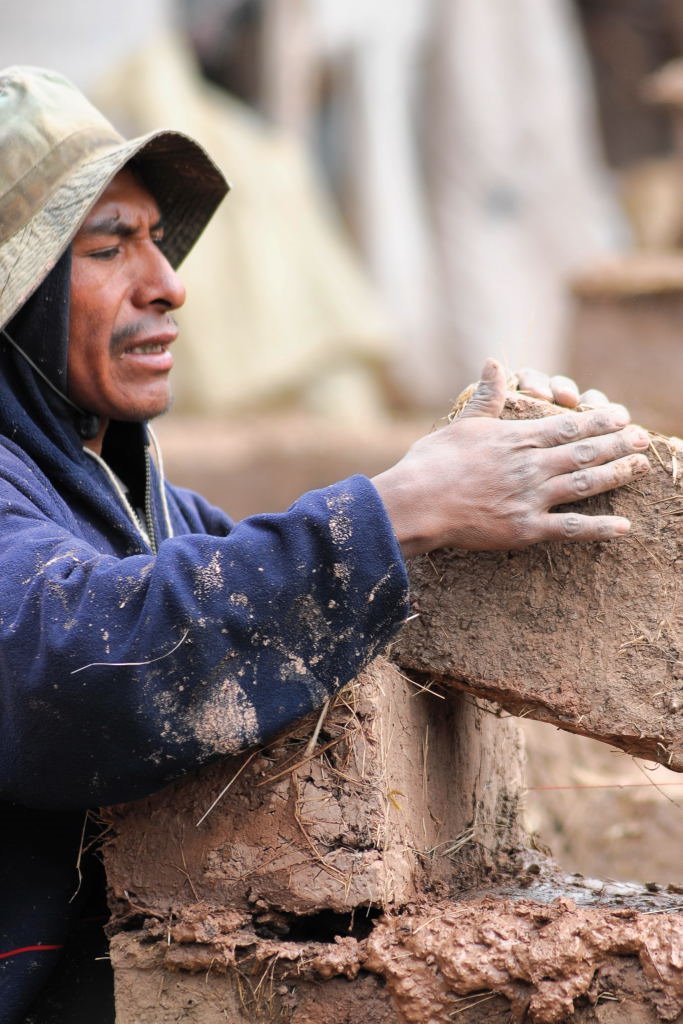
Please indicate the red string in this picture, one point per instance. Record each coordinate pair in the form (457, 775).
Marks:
(27, 949)
(614, 785)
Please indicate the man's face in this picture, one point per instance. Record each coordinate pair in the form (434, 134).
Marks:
(122, 292)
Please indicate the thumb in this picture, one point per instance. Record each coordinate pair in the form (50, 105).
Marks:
(489, 396)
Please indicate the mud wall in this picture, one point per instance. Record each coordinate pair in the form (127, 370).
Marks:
(539, 957)
(406, 792)
(250, 465)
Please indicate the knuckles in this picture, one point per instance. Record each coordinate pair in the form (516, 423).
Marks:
(582, 480)
(571, 524)
(584, 453)
(522, 528)
(590, 481)
(485, 391)
(567, 428)
(601, 422)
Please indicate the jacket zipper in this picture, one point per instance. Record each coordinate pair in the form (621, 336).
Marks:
(150, 538)
(159, 460)
(130, 511)
(149, 518)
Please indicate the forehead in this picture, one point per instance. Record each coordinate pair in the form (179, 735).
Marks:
(125, 198)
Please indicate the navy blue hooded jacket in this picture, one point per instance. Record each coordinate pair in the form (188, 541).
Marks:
(124, 664)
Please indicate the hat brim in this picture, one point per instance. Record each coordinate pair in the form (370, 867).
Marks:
(183, 179)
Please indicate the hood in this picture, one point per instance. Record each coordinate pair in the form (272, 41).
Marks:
(39, 336)
(38, 416)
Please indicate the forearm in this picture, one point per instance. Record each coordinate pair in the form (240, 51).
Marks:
(120, 674)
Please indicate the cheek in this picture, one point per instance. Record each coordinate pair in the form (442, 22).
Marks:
(90, 328)
(88, 362)
(80, 339)
(97, 294)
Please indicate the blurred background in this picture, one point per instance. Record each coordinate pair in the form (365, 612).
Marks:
(417, 184)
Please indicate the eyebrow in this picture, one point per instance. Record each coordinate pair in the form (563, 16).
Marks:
(114, 226)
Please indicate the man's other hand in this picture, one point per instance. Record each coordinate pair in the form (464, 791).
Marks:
(486, 484)
(559, 390)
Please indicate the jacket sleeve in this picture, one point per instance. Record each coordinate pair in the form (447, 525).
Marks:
(119, 674)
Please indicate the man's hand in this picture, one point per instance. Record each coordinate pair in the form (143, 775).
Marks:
(484, 484)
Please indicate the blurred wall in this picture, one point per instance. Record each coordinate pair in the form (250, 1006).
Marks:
(80, 38)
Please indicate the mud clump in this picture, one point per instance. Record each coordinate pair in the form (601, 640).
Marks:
(546, 960)
(587, 637)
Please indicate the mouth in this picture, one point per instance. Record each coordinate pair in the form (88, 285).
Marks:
(151, 353)
(146, 348)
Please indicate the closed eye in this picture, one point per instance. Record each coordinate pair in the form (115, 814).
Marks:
(105, 254)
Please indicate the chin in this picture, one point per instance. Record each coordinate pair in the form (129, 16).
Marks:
(149, 409)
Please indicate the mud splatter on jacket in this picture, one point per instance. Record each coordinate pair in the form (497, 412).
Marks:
(121, 667)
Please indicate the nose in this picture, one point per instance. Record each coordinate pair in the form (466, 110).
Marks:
(157, 283)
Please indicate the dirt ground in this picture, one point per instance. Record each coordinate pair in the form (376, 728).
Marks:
(600, 811)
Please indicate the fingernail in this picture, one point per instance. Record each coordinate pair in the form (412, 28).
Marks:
(622, 526)
(489, 370)
(639, 438)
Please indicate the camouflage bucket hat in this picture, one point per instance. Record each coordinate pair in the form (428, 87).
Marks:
(57, 156)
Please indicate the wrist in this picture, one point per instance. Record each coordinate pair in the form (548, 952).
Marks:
(399, 500)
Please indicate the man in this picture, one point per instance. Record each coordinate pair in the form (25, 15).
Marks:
(141, 633)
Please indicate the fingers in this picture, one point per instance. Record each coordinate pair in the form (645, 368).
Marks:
(570, 527)
(565, 391)
(593, 399)
(584, 483)
(594, 451)
(533, 382)
(489, 397)
(559, 389)
(563, 429)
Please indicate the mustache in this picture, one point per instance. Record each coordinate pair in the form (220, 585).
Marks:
(137, 329)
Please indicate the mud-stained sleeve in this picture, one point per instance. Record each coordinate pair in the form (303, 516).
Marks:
(119, 674)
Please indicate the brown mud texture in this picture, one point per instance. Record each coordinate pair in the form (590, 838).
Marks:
(616, 818)
(493, 958)
(379, 878)
(370, 867)
(586, 637)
